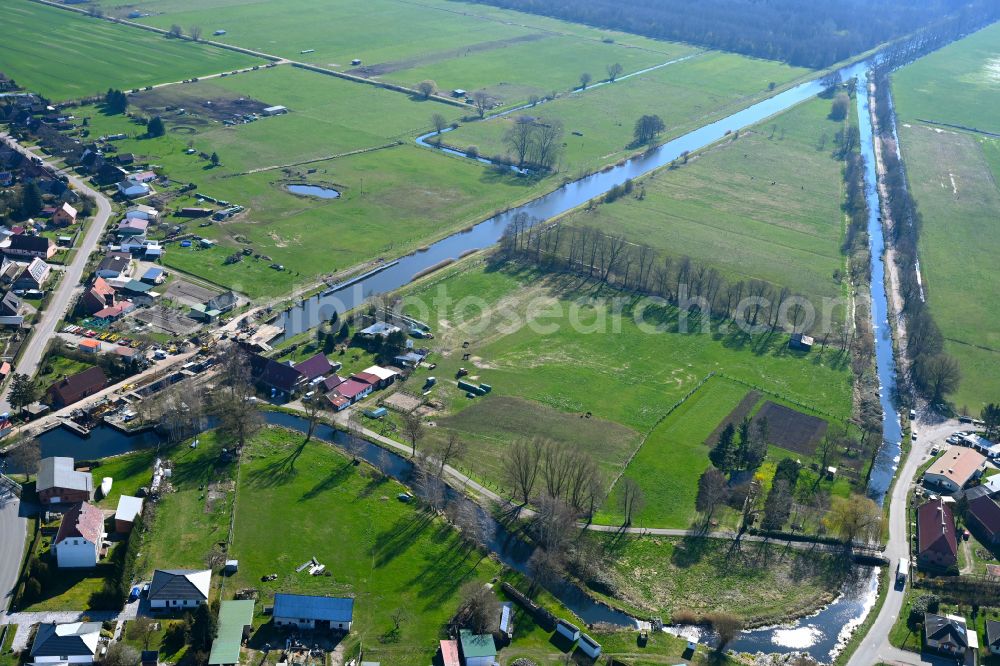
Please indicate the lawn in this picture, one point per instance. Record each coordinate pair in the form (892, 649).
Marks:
(69, 589)
(599, 122)
(958, 84)
(81, 56)
(56, 367)
(551, 362)
(953, 177)
(299, 501)
(129, 473)
(760, 584)
(766, 206)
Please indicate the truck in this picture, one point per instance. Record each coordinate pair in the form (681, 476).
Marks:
(902, 571)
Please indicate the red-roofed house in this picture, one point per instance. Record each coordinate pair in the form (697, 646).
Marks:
(367, 378)
(332, 382)
(81, 535)
(337, 402)
(100, 295)
(315, 367)
(983, 518)
(77, 387)
(353, 390)
(143, 177)
(937, 545)
(64, 215)
(115, 311)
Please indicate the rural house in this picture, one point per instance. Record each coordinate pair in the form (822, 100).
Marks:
(142, 212)
(133, 189)
(64, 215)
(235, 624)
(179, 588)
(132, 226)
(34, 275)
(71, 643)
(983, 519)
(77, 387)
(313, 612)
(993, 637)
(316, 367)
(379, 330)
(937, 546)
(115, 312)
(58, 482)
(383, 376)
(278, 377)
(477, 649)
(115, 265)
(80, 538)
(100, 295)
(10, 305)
(956, 468)
(946, 634)
(129, 508)
(33, 247)
(353, 390)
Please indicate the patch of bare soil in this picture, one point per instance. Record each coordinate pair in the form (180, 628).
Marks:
(383, 68)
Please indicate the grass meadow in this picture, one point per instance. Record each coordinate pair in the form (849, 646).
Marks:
(957, 194)
(599, 122)
(766, 205)
(64, 55)
(953, 176)
(522, 343)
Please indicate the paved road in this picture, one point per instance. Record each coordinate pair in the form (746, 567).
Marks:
(875, 646)
(69, 285)
(13, 529)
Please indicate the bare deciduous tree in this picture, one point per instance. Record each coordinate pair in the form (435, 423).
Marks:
(614, 71)
(439, 122)
(478, 610)
(413, 429)
(426, 88)
(195, 32)
(520, 468)
(712, 492)
(230, 401)
(175, 31)
(585, 80)
(482, 101)
(26, 456)
(448, 450)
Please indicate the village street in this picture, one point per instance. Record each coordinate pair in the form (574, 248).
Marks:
(70, 281)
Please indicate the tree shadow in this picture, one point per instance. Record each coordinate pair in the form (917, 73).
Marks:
(331, 481)
(397, 539)
(374, 483)
(276, 472)
(690, 551)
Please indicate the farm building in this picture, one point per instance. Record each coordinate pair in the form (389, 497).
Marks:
(128, 510)
(993, 637)
(179, 588)
(316, 367)
(80, 539)
(982, 445)
(10, 305)
(235, 624)
(64, 215)
(275, 110)
(449, 653)
(132, 189)
(937, 543)
(589, 646)
(384, 376)
(568, 630)
(956, 468)
(379, 330)
(477, 649)
(272, 375)
(142, 212)
(153, 276)
(983, 519)
(58, 482)
(71, 643)
(313, 612)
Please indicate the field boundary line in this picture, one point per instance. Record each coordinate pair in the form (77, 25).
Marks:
(372, 82)
(780, 396)
(314, 160)
(959, 127)
(642, 442)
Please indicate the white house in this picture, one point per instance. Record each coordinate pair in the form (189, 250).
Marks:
(179, 588)
(72, 643)
(312, 612)
(142, 212)
(128, 509)
(80, 537)
(955, 469)
(133, 189)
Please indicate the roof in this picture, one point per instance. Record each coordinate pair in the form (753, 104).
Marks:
(102, 288)
(380, 372)
(83, 520)
(75, 639)
(332, 382)
(936, 528)
(449, 653)
(58, 472)
(234, 616)
(30, 243)
(137, 286)
(993, 634)
(115, 310)
(69, 210)
(90, 343)
(10, 303)
(945, 629)
(113, 262)
(187, 584)
(366, 377)
(332, 609)
(987, 513)
(128, 508)
(958, 464)
(279, 375)
(136, 223)
(38, 270)
(352, 388)
(379, 328)
(152, 274)
(315, 366)
(477, 645)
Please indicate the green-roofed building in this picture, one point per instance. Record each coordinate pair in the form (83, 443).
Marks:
(477, 649)
(235, 623)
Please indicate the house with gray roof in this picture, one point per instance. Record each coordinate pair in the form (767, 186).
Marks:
(179, 588)
(313, 612)
(72, 643)
(59, 482)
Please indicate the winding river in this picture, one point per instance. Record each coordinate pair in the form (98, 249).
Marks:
(818, 635)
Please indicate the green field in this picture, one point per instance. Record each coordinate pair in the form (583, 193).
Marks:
(599, 122)
(522, 341)
(953, 176)
(64, 55)
(509, 54)
(958, 84)
(766, 205)
(296, 503)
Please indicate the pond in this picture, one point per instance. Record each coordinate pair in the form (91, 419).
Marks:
(313, 191)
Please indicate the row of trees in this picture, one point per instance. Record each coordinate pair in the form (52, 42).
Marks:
(194, 32)
(806, 34)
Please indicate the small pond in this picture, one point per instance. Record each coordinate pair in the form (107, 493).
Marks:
(314, 191)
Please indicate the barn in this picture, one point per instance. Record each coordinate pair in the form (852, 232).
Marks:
(313, 612)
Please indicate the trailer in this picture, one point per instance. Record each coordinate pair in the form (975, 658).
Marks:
(902, 571)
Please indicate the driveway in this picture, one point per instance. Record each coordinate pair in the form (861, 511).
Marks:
(72, 276)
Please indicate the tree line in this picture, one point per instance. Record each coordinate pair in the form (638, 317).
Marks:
(807, 34)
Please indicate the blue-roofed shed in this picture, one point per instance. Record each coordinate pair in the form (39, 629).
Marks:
(153, 276)
(313, 612)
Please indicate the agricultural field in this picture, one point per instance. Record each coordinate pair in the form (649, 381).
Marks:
(532, 340)
(508, 54)
(953, 176)
(90, 55)
(765, 205)
(599, 122)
